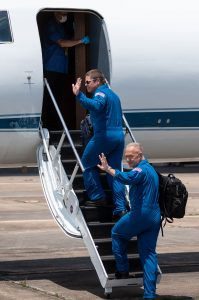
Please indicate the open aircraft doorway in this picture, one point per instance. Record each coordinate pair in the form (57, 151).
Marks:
(81, 58)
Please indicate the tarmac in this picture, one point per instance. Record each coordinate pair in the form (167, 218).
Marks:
(38, 261)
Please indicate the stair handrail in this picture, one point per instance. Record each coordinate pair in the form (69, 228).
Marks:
(124, 119)
(66, 131)
(128, 128)
(45, 144)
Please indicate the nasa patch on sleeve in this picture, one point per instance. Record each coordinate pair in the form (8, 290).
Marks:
(137, 169)
(100, 94)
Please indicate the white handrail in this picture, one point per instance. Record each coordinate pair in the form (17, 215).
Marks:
(64, 125)
(59, 147)
(124, 119)
(128, 128)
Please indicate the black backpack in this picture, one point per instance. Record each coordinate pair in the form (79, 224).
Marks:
(173, 197)
(86, 130)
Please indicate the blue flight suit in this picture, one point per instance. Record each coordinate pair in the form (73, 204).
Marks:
(142, 221)
(106, 117)
(54, 56)
(57, 73)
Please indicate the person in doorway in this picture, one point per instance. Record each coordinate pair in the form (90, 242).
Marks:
(106, 117)
(57, 37)
(143, 220)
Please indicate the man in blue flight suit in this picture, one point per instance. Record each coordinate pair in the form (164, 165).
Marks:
(57, 39)
(143, 220)
(106, 117)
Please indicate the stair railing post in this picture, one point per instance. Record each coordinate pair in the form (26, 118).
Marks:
(124, 119)
(46, 151)
(68, 187)
(64, 125)
(128, 128)
(59, 147)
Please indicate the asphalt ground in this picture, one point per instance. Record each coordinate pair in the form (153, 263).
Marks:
(38, 261)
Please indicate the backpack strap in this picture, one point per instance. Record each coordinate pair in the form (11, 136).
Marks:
(164, 220)
(161, 227)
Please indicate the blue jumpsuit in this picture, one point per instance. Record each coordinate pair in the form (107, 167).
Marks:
(106, 117)
(54, 56)
(142, 221)
(57, 73)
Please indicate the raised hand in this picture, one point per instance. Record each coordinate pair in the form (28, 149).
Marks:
(76, 87)
(104, 164)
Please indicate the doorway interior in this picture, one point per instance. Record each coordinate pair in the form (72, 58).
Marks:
(81, 58)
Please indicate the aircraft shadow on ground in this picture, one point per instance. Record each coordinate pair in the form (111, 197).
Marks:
(78, 273)
(177, 168)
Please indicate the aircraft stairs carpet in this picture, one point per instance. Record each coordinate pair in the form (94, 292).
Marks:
(99, 219)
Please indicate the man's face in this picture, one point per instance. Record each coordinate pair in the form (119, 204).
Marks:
(133, 156)
(61, 16)
(91, 84)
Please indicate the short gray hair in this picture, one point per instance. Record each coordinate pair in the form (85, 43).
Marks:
(138, 146)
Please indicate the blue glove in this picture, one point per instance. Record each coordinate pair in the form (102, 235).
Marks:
(85, 40)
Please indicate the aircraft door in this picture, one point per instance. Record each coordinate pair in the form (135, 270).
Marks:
(80, 59)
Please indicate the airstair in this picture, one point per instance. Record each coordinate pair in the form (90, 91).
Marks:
(61, 170)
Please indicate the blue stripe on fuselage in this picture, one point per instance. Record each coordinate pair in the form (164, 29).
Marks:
(136, 119)
(159, 119)
(19, 122)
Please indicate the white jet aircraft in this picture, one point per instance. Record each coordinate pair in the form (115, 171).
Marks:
(147, 49)
(149, 52)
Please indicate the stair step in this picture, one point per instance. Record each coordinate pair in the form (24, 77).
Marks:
(81, 196)
(100, 230)
(98, 219)
(55, 136)
(69, 166)
(67, 151)
(78, 182)
(133, 259)
(104, 246)
(100, 214)
(131, 275)
(72, 131)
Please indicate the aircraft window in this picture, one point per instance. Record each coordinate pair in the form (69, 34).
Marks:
(5, 33)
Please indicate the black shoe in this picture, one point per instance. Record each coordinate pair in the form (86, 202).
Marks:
(96, 203)
(121, 275)
(116, 218)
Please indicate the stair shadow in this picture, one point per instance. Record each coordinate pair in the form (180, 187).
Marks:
(78, 274)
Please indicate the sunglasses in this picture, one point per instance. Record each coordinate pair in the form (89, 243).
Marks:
(87, 82)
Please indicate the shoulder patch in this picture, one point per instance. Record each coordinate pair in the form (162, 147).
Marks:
(137, 169)
(100, 94)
